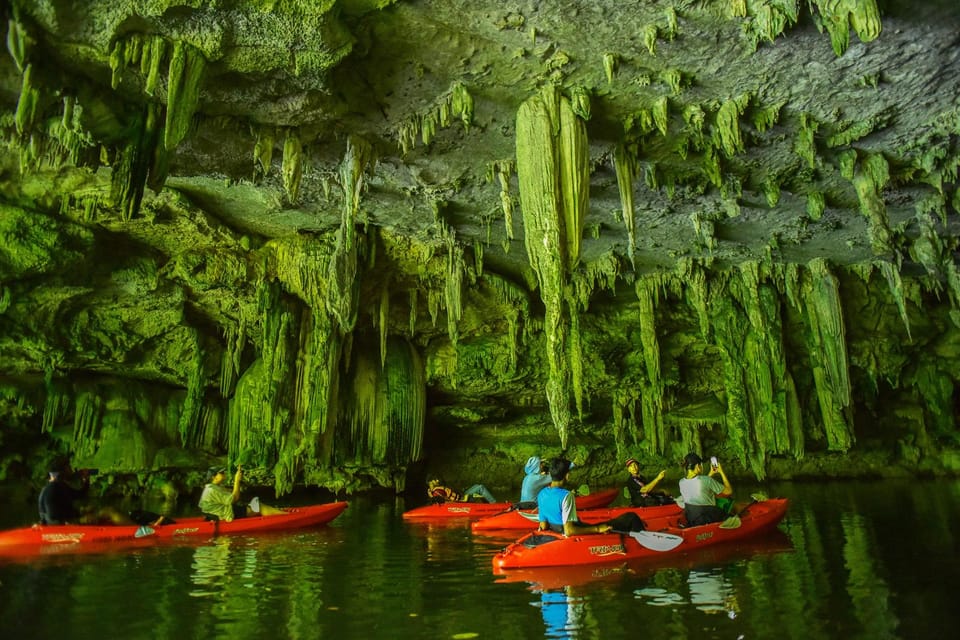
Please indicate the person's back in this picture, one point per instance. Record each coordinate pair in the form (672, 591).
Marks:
(55, 503)
(555, 507)
(700, 492)
(534, 480)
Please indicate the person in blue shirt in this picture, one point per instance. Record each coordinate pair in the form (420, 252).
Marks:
(557, 508)
(536, 478)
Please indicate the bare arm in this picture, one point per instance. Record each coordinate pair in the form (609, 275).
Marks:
(727, 489)
(650, 486)
(575, 529)
(236, 484)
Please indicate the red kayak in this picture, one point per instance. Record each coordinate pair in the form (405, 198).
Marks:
(14, 540)
(474, 510)
(769, 543)
(523, 519)
(663, 536)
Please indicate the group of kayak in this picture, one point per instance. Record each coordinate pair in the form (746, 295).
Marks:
(565, 529)
(560, 527)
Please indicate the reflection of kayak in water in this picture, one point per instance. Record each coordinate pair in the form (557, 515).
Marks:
(33, 539)
(664, 536)
(528, 519)
(474, 510)
(769, 543)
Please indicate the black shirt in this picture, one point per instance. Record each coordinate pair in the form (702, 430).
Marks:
(56, 502)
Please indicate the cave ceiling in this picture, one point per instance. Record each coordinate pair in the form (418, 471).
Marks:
(658, 78)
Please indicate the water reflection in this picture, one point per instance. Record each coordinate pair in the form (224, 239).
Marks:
(849, 561)
(708, 591)
(561, 612)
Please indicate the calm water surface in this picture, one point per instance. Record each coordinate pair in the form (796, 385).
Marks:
(861, 560)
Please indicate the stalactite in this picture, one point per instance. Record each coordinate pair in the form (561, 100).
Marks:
(263, 154)
(516, 302)
(551, 159)
(18, 43)
(869, 180)
(816, 203)
(28, 102)
(504, 169)
(696, 291)
(765, 117)
(478, 257)
(384, 320)
(575, 358)
(805, 146)
(453, 283)
(623, 163)
(891, 272)
(660, 112)
(647, 291)
(727, 133)
(292, 167)
(574, 176)
(88, 413)
(384, 409)
(609, 66)
(650, 33)
(58, 399)
(412, 329)
(184, 78)
(136, 161)
(828, 353)
(193, 401)
(342, 270)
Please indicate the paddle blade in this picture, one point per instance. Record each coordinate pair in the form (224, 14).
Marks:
(656, 541)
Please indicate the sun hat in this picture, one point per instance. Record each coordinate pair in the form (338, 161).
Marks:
(631, 461)
(213, 471)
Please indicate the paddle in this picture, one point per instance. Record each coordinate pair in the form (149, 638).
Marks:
(654, 540)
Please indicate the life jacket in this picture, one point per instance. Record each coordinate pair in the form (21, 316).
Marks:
(445, 493)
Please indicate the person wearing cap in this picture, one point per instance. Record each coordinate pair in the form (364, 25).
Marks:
(217, 500)
(641, 492)
(557, 508)
(701, 493)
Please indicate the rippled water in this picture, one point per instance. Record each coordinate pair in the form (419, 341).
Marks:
(863, 560)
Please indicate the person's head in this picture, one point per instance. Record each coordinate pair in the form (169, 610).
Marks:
(533, 465)
(433, 483)
(632, 466)
(216, 474)
(58, 470)
(559, 469)
(692, 461)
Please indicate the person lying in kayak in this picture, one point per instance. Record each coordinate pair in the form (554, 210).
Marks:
(217, 500)
(704, 499)
(439, 493)
(557, 508)
(641, 492)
